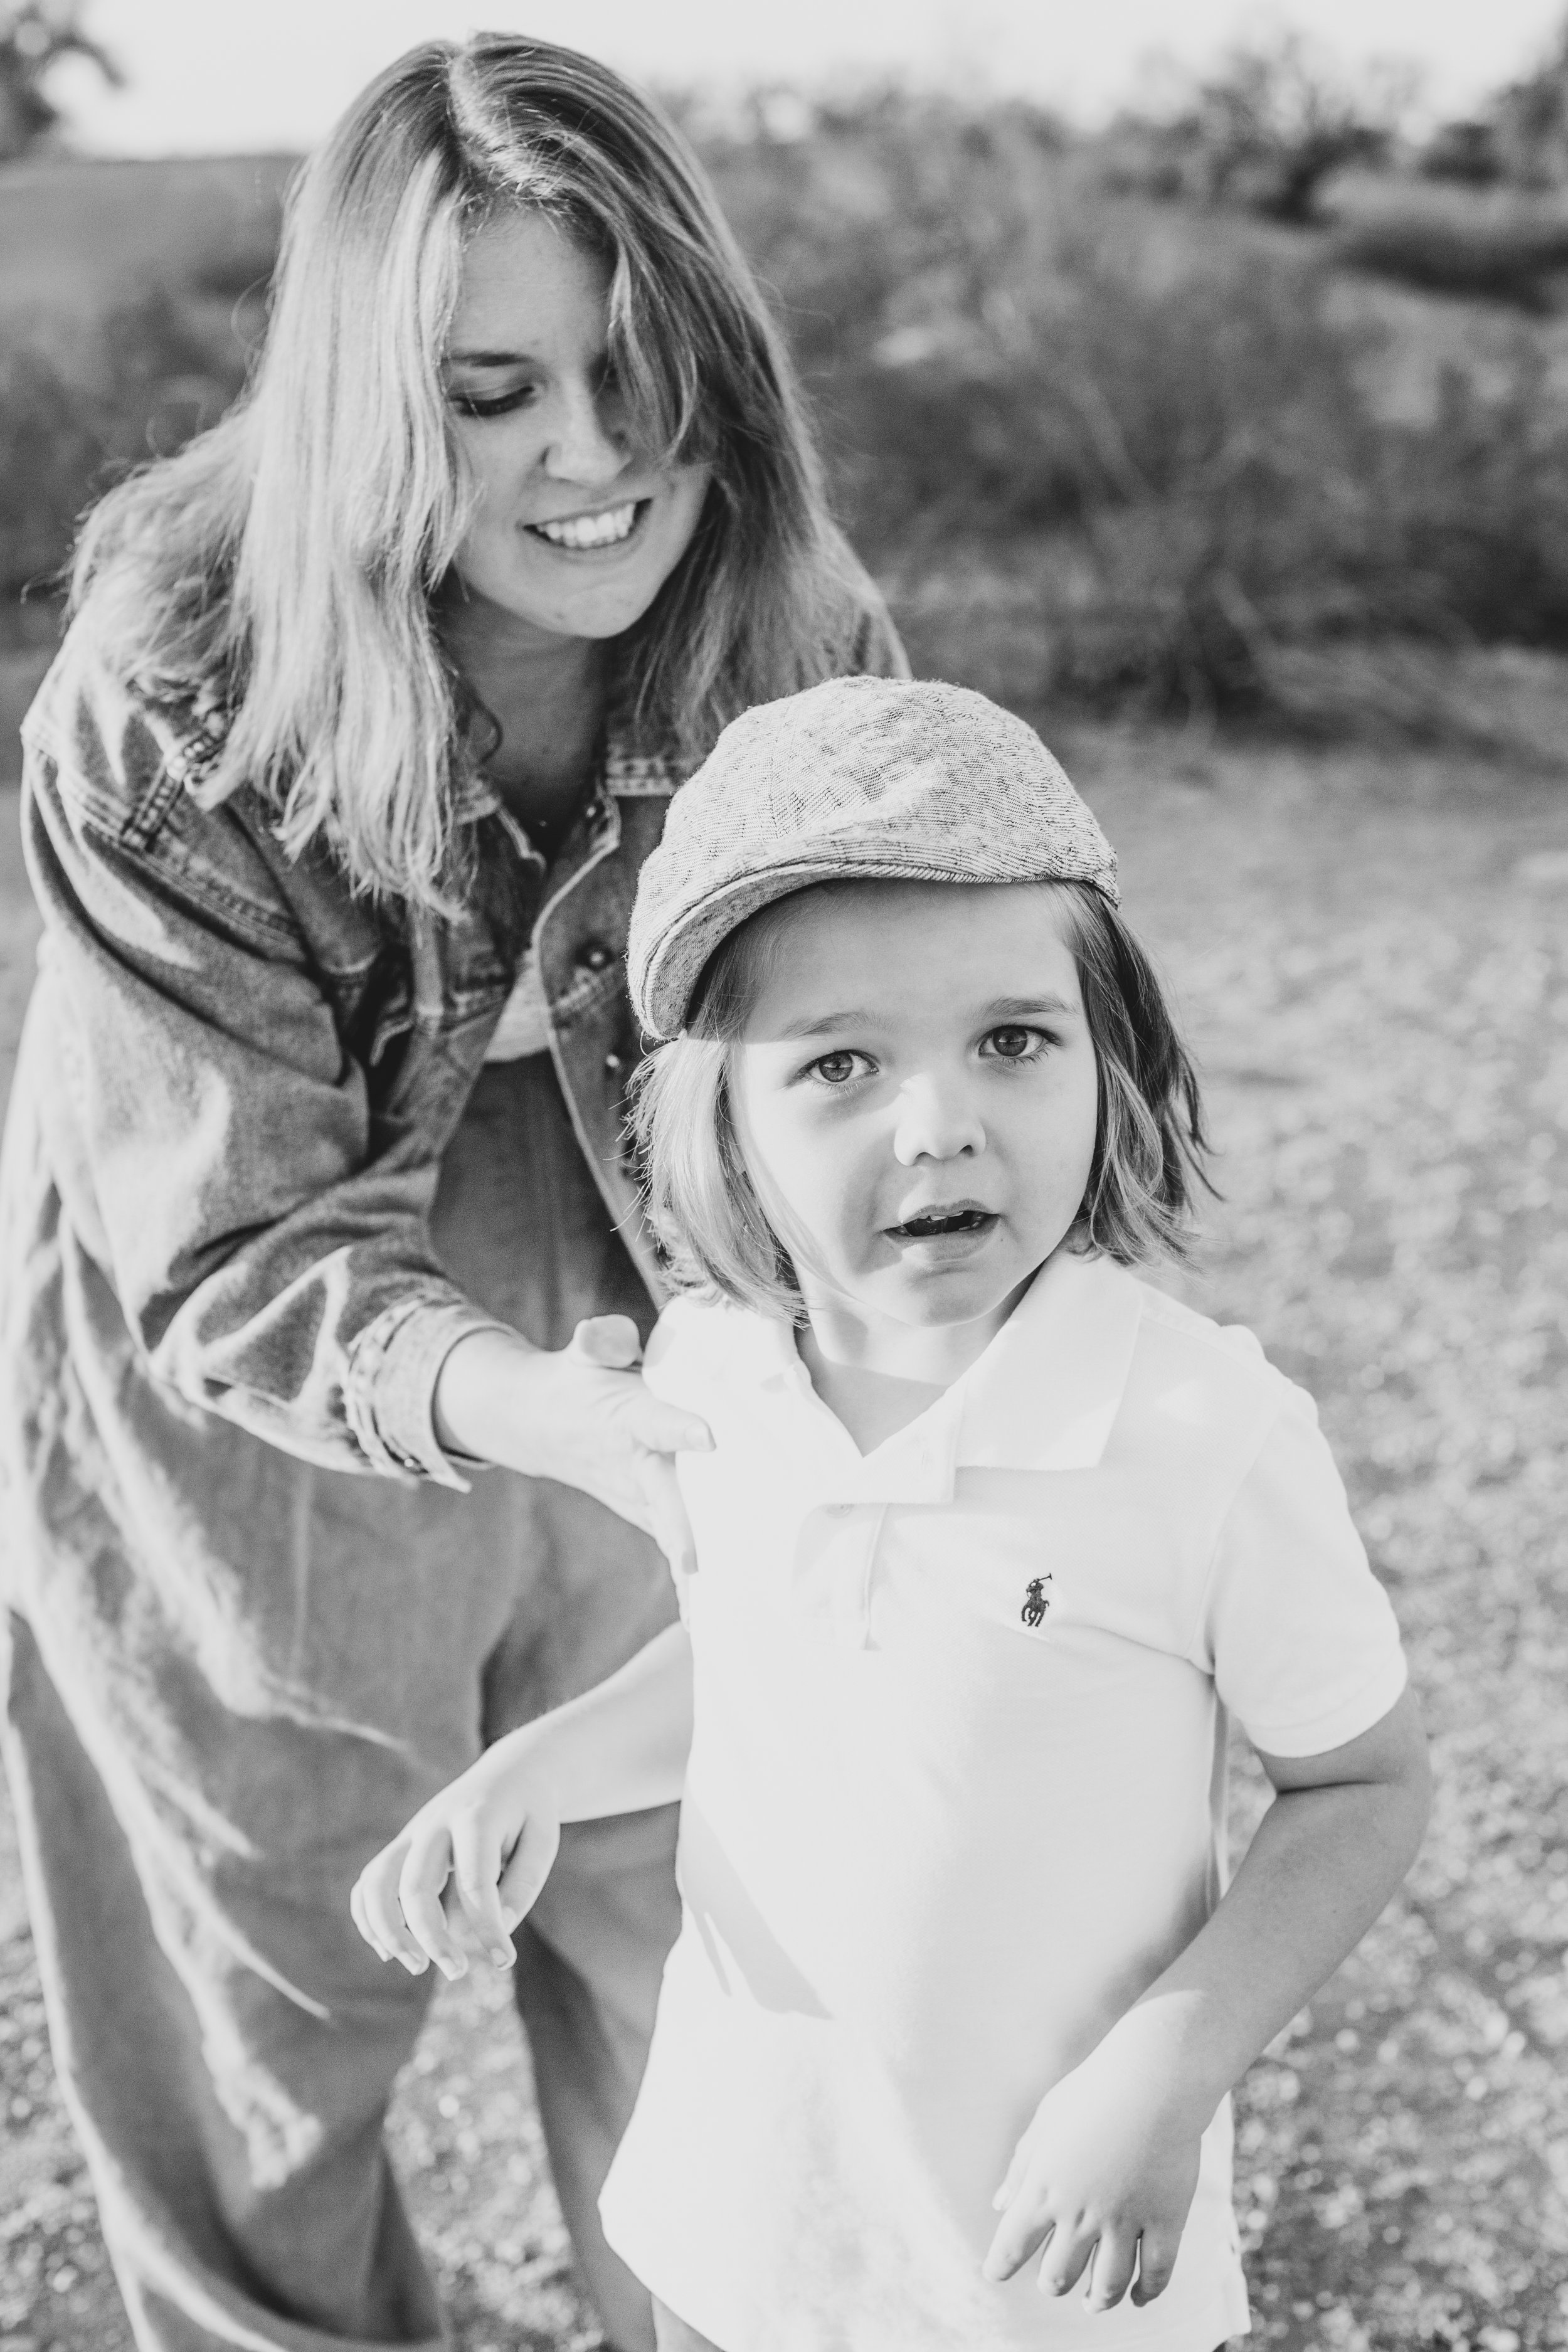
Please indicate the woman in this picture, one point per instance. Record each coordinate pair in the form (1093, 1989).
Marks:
(371, 708)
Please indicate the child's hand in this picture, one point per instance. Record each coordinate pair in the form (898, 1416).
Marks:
(494, 1833)
(1106, 2170)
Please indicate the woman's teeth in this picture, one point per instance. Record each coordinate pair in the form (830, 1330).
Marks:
(601, 530)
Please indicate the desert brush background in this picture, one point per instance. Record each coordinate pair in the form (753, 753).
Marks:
(1230, 446)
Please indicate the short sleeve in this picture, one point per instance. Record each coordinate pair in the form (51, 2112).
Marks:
(1296, 1631)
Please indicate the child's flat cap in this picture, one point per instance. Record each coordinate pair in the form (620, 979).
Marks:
(859, 778)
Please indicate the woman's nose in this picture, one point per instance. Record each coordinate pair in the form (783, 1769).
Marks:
(937, 1120)
(583, 445)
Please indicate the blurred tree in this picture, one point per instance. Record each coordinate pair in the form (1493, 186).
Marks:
(1519, 137)
(1532, 119)
(35, 35)
(1266, 132)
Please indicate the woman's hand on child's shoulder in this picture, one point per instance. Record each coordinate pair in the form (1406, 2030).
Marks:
(1104, 2174)
(492, 1835)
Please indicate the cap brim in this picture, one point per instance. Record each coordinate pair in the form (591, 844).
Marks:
(677, 962)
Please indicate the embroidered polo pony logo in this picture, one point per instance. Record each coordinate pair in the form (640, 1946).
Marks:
(1036, 1600)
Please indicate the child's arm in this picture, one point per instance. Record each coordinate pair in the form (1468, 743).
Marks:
(1110, 2157)
(620, 1748)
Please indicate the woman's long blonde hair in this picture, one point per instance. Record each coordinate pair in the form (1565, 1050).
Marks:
(285, 560)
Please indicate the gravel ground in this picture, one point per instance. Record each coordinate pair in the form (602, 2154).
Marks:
(1373, 954)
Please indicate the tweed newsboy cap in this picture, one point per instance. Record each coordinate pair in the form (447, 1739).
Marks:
(859, 778)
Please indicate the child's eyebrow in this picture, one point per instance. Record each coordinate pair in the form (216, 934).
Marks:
(853, 1017)
(1013, 1008)
(1000, 1008)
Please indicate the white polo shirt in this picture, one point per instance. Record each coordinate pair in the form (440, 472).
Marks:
(955, 1797)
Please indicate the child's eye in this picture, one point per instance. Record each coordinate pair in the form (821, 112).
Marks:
(836, 1069)
(471, 404)
(1014, 1043)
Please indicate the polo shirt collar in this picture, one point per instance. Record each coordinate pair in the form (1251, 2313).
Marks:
(1044, 1396)
(1046, 1391)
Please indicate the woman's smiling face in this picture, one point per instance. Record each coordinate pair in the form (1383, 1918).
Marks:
(916, 1093)
(574, 531)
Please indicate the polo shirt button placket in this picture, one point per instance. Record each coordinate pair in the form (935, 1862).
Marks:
(833, 1569)
(851, 1589)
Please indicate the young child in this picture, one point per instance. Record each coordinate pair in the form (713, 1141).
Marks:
(991, 1540)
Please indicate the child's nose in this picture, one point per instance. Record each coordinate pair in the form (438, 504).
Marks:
(937, 1120)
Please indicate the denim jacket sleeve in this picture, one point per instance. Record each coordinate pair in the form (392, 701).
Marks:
(211, 1137)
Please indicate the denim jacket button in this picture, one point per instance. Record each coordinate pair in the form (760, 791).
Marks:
(594, 956)
(614, 1064)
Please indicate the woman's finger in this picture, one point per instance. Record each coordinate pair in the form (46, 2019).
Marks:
(476, 1871)
(612, 1339)
(668, 1522)
(528, 1866)
(426, 1867)
(667, 1428)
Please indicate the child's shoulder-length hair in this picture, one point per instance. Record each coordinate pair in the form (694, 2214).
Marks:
(283, 563)
(1150, 1152)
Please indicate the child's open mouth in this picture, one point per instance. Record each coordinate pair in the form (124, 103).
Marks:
(933, 1223)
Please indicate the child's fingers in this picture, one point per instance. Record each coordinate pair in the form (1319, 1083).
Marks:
(528, 1866)
(379, 1914)
(1157, 2250)
(1022, 2230)
(1066, 2257)
(426, 1866)
(476, 1869)
(1111, 2275)
(357, 1912)
(1011, 2180)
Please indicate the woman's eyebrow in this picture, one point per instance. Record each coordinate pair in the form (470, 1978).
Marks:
(490, 359)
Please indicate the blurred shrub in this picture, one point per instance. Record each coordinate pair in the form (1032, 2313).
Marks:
(1491, 248)
(1104, 464)
(1519, 138)
(1103, 458)
(1529, 121)
(1468, 152)
(78, 409)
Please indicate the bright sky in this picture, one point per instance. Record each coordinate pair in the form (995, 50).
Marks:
(241, 75)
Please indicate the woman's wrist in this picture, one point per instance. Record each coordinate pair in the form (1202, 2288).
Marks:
(475, 1407)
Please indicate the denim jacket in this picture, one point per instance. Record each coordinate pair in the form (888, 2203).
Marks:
(240, 1076)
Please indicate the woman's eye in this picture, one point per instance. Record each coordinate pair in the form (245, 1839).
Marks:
(1015, 1044)
(836, 1069)
(500, 403)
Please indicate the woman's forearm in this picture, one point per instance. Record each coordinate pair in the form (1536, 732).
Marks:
(581, 1413)
(622, 1746)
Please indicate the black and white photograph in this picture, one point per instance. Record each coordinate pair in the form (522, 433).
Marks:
(784, 1285)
